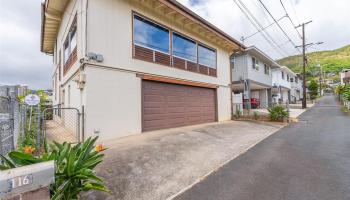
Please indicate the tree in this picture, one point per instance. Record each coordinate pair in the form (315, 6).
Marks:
(313, 89)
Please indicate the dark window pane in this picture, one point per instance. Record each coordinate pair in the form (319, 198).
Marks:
(73, 42)
(66, 51)
(206, 56)
(253, 63)
(150, 35)
(184, 48)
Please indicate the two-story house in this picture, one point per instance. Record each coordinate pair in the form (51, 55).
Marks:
(281, 90)
(251, 75)
(137, 66)
(296, 88)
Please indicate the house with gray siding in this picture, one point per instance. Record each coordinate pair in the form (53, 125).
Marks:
(251, 75)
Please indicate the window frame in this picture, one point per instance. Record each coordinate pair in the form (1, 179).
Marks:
(282, 72)
(266, 69)
(171, 31)
(185, 37)
(73, 29)
(212, 49)
(157, 24)
(253, 63)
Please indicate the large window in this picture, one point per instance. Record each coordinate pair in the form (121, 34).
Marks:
(71, 42)
(184, 48)
(150, 35)
(206, 56)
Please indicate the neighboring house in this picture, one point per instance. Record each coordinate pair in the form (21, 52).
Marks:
(251, 75)
(136, 66)
(296, 93)
(345, 77)
(18, 90)
(281, 91)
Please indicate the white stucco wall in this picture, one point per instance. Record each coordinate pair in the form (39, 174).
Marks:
(113, 106)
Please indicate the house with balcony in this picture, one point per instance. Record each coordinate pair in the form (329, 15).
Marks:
(281, 84)
(345, 77)
(252, 76)
(136, 66)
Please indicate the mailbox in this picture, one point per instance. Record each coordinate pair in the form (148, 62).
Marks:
(27, 178)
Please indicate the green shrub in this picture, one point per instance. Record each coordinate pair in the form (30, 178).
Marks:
(277, 113)
(256, 115)
(74, 165)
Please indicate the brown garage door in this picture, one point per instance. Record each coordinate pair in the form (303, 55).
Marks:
(168, 105)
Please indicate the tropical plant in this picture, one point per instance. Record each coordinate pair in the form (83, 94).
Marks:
(74, 165)
(313, 89)
(277, 113)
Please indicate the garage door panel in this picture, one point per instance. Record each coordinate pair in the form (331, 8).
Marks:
(171, 105)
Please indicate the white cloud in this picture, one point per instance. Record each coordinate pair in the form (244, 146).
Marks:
(330, 21)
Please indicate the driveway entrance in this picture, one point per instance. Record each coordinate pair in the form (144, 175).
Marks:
(162, 163)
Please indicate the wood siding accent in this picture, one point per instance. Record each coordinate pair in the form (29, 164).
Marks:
(71, 60)
(191, 66)
(176, 81)
(143, 53)
(212, 72)
(179, 63)
(171, 105)
(162, 58)
(203, 69)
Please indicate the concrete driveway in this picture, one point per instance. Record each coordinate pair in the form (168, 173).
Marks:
(160, 164)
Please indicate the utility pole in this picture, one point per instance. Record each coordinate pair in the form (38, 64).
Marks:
(304, 62)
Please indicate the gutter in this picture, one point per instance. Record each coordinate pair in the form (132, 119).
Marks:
(42, 26)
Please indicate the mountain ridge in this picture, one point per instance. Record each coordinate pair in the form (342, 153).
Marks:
(332, 61)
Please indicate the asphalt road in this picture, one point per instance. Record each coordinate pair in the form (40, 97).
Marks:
(308, 160)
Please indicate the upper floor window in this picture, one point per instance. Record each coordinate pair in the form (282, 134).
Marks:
(184, 48)
(206, 56)
(266, 69)
(151, 35)
(291, 80)
(255, 63)
(71, 41)
(232, 61)
(287, 77)
(296, 80)
(282, 75)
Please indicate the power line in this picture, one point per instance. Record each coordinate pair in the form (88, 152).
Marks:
(259, 27)
(278, 24)
(290, 19)
(245, 38)
(295, 13)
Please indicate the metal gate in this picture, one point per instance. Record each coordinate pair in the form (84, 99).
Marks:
(63, 124)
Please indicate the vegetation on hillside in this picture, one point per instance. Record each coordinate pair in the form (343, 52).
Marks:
(332, 61)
